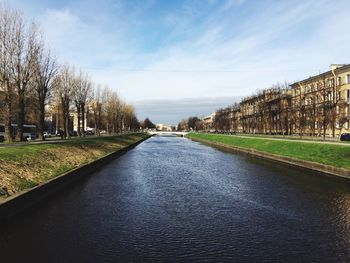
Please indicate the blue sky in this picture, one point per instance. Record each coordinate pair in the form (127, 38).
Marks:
(165, 50)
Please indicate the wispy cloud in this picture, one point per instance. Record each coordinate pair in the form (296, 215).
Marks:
(176, 49)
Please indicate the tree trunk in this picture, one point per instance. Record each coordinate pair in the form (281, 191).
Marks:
(8, 122)
(67, 123)
(95, 117)
(78, 117)
(99, 122)
(334, 124)
(64, 116)
(21, 116)
(8, 114)
(41, 123)
(83, 119)
(57, 120)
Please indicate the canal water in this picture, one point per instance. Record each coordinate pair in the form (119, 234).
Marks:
(174, 200)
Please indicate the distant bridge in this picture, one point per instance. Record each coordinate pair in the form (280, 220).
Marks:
(177, 133)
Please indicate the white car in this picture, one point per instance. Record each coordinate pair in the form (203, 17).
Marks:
(47, 134)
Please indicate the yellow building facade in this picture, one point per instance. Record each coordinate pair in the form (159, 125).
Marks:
(316, 106)
(320, 104)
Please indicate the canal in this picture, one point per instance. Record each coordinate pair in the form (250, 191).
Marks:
(171, 199)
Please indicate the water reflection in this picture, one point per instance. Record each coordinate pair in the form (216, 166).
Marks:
(171, 199)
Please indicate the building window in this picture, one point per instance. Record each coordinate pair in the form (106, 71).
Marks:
(348, 95)
(331, 83)
(339, 81)
(330, 96)
(348, 78)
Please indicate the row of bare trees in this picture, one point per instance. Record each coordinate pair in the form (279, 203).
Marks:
(21, 58)
(31, 79)
(317, 108)
(110, 113)
(268, 111)
(280, 110)
(191, 123)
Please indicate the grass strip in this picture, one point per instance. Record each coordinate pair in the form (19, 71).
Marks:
(328, 154)
(24, 167)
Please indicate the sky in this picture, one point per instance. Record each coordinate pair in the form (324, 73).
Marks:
(169, 52)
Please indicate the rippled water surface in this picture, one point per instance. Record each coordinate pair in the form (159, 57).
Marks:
(171, 199)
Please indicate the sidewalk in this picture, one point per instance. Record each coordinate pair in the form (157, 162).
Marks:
(52, 140)
(294, 139)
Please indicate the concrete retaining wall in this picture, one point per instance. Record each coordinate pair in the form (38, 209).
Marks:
(326, 169)
(31, 197)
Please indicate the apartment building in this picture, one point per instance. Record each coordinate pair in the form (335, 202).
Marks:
(208, 122)
(235, 117)
(316, 106)
(267, 112)
(250, 118)
(320, 104)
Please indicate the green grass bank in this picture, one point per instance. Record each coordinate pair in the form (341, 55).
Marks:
(332, 155)
(24, 167)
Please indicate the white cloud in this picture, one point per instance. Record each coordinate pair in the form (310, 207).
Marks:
(216, 51)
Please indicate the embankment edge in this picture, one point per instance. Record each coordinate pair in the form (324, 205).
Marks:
(26, 199)
(322, 168)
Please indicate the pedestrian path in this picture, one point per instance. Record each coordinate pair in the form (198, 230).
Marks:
(293, 140)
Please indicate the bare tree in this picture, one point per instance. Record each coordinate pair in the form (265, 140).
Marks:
(260, 115)
(64, 87)
(115, 111)
(26, 46)
(8, 20)
(343, 113)
(335, 89)
(192, 122)
(109, 108)
(29, 75)
(46, 69)
(81, 94)
(325, 116)
(148, 124)
(130, 120)
(97, 109)
(222, 119)
(235, 121)
(120, 115)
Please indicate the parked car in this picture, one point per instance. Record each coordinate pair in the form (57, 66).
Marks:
(89, 132)
(345, 137)
(47, 134)
(2, 138)
(73, 133)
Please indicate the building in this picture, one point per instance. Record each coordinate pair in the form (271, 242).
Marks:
(163, 127)
(208, 122)
(316, 106)
(250, 109)
(228, 119)
(267, 112)
(235, 117)
(320, 104)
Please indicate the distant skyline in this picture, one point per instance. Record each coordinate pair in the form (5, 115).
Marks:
(161, 50)
(167, 111)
